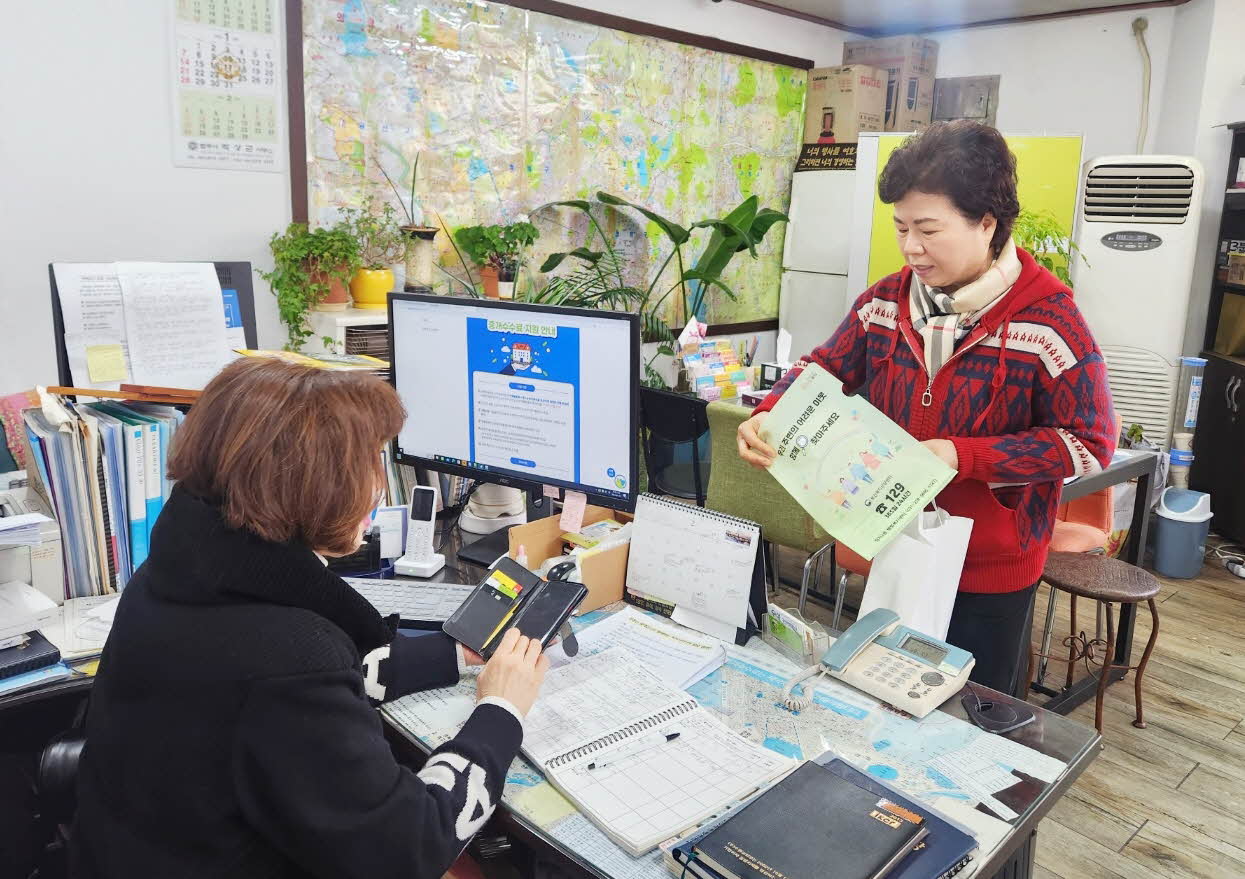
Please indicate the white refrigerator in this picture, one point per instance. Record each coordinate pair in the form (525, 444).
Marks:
(815, 296)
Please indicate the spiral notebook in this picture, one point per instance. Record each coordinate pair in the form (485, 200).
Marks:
(705, 567)
(641, 759)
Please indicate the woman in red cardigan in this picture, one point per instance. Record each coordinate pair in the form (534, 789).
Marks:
(979, 352)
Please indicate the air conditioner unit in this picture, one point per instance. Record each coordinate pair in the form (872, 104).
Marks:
(351, 331)
(1137, 228)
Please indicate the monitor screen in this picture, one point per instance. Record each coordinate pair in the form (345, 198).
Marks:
(517, 392)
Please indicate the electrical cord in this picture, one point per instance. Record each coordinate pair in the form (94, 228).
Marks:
(447, 530)
(1139, 31)
(1231, 556)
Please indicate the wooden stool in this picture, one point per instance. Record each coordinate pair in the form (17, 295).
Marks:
(1105, 580)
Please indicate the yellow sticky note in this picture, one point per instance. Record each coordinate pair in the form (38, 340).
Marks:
(106, 363)
(542, 805)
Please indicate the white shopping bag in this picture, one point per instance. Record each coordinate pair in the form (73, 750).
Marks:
(917, 574)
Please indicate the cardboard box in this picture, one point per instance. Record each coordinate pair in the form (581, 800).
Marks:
(907, 61)
(604, 573)
(916, 105)
(842, 102)
(1236, 268)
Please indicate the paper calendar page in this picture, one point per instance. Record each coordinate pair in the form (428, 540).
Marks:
(593, 697)
(696, 559)
(656, 783)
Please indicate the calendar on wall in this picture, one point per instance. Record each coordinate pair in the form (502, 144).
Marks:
(227, 85)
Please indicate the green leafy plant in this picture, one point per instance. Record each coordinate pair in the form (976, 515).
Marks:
(306, 262)
(408, 206)
(597, 280)
(499, 246)
(375, 226)
(1047, 242)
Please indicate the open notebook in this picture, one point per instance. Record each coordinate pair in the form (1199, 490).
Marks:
(640, 758)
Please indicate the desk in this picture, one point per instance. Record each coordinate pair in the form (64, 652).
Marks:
(535, 816)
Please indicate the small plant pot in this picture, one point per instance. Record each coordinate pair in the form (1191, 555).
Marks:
(338, 298)
(419, 255)
(488, 277)
(370, 288)
(505, 289)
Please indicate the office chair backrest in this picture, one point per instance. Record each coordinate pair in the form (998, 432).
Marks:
(673, 426)
(58, 776)
(736, 489)
(676, 418)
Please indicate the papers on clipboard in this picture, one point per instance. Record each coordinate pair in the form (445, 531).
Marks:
(163, 324)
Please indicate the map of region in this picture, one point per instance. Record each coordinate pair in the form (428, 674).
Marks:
(509, 109)
(946, 762)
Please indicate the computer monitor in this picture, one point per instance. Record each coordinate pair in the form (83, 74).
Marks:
(519, 394)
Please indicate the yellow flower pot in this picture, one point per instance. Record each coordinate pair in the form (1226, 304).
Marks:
(370, 288)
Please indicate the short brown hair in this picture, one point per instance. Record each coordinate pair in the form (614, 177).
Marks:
(966, 161)
(288, 452)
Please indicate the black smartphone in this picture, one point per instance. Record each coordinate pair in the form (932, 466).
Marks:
(549, 606)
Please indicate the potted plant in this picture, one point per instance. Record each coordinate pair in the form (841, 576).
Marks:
(419, 236)
(375, 226)
(311, 268)
(599, 280)
(1041, 234)
(496, 250)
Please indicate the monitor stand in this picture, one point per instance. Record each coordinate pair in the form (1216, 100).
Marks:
(490, 547)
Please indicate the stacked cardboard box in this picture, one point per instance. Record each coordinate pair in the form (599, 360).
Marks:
(842, 102)
(909, 63)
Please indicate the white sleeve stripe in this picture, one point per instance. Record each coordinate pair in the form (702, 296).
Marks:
(444, 771)
(505, 704)
(1083, 463)
(371, 673)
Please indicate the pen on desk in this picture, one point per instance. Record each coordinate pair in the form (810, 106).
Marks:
(670, 737)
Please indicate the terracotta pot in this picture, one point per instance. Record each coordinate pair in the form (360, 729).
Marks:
(488, 276)
(338, 298)
(370, 288)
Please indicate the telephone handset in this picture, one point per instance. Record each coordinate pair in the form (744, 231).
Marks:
(903, 667)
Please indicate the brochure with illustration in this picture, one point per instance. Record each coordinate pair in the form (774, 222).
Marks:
(860, 475)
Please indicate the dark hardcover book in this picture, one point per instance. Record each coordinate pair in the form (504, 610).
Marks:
(811, 819)
(943, 853)
(36, 653)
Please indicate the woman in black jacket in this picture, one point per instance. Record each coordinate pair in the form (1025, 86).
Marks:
(231, 729)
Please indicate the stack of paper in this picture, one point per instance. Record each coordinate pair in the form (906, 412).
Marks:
(676, 654)
(22, 530)
(82, 626)
(23, 609)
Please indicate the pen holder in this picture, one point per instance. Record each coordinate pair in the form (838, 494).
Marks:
(802, 641)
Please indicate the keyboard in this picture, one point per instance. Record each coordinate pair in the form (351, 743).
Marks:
(412, 601)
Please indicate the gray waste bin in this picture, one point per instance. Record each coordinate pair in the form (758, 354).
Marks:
(1180, 532)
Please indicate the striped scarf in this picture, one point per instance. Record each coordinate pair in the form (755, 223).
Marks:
(944, 319)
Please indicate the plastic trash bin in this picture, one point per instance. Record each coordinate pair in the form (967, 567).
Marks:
(1180, 532)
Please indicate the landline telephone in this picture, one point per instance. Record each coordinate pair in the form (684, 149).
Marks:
(903, 667)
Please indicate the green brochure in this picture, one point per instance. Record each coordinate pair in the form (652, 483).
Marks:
(860, 475)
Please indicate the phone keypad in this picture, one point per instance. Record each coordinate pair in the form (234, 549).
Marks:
(896, 672)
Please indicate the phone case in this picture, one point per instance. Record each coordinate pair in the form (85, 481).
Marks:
(549, 606)
(511, 596)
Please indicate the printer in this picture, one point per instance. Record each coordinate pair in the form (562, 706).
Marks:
(41, 565)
